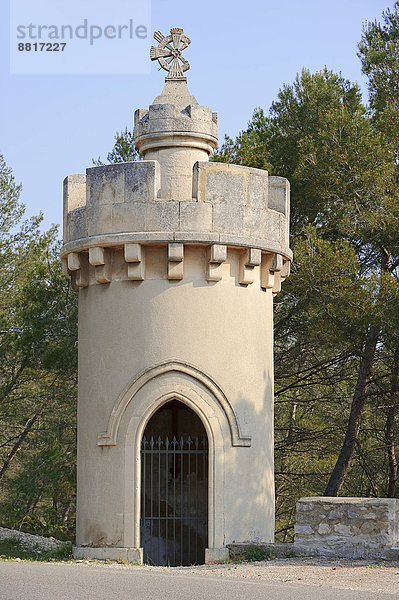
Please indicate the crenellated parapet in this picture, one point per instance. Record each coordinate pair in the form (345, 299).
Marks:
(175, 199)
(114, 214)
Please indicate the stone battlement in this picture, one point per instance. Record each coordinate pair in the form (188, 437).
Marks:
(231, 205)
(175, 198)
(118, 206)
(198, 124)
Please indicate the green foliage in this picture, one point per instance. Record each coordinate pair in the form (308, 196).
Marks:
(337, 318)
(38, 360)
(124, 149)
(15, 548)
(379, 54)
(256, 553)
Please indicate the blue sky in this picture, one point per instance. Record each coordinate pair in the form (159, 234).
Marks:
(242, 52)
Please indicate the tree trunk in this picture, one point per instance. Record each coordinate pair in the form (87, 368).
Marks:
(393, 465)
(390, 427)
(345, 457)
(28, 426)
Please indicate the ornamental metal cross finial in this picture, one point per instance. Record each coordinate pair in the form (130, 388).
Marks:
(168, 53)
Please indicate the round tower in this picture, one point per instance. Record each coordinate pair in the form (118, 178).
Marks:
(176, 260)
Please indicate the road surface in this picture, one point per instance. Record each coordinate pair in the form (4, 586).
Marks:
(71, 581)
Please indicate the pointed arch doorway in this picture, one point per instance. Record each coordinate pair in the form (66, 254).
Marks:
(174, 487)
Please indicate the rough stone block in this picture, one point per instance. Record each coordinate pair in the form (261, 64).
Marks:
(216, 555)
(257, 190)
(100, 553)
(279, 190)
(303, 529)
(135, 555)
(233, 184)
(139, 114)
(335, 514)
(99, 221)
(238, 551)
(76, 224)
(106, 185)
(122, 186)
(323, 529)
(225, 187)
(347, 527)
(195, 216)
(162, 216)
(142, 181)
(253, 223)
(65, 269)
(273, 227)
(228, 219)
(74, 191)
(154, 216)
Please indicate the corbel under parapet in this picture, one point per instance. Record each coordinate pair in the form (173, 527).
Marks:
(274, 269)
(216, 256)
(100, 258)
(175, 260)
(135, 263)
(249, 259)
(78, 269)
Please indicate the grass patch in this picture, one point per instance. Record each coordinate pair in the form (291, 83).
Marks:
(256, 553)
(15, 548)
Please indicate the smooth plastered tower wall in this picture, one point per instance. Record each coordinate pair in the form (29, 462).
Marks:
(176, 261)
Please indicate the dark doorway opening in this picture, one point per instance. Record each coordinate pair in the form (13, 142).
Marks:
(174, 487)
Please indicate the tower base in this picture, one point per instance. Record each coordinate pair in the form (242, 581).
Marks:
(134, 555)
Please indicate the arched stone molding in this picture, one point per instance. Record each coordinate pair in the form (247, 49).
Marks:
(148, 399)
(191, 374)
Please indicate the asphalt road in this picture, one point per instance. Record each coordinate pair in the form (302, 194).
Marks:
(59, 581)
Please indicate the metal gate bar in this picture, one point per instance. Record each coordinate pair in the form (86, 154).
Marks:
(174, 500)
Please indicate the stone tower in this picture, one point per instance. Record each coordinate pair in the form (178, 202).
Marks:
(176, 260)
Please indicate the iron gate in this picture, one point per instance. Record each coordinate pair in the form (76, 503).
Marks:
(174, 500)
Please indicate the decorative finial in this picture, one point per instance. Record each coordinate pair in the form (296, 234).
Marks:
(169, 52)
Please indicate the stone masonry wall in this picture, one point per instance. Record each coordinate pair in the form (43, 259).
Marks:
(348, 527)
